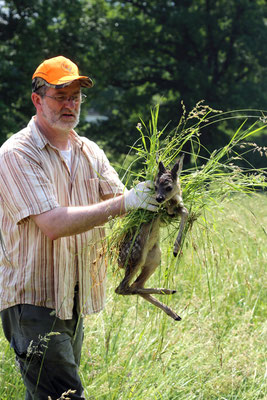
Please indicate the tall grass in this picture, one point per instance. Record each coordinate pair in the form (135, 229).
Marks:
(218, 350)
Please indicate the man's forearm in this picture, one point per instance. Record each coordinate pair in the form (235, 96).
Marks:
(68, 221)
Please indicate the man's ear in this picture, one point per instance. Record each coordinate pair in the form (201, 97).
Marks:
(36, 99)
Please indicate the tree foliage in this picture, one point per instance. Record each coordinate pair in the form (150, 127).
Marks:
(139, 53)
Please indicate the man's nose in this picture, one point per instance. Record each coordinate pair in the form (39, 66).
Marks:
(70, 100)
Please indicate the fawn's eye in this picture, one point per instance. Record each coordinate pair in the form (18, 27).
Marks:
(168, 188)
(156, 188)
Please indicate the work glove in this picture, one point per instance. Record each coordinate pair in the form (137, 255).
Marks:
(141, 196)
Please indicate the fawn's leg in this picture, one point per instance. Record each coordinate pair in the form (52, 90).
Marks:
(162, 306)
(184, 215)
(151, 263)
(124, 286)
(134, 255)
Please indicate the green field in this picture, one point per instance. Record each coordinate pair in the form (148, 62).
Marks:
(132, 350)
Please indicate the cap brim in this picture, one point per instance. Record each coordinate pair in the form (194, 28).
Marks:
(85, 81)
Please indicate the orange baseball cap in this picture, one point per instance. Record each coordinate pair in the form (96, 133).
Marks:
(59, 71)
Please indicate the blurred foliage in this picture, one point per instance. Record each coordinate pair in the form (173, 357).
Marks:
(139, 53)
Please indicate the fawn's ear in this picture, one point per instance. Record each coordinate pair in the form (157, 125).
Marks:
(177, 168)
(174, 170)
(162, 169)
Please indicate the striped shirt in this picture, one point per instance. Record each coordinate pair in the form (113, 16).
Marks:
(34, 178)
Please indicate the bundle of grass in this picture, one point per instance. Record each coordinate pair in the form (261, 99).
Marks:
(211, 179)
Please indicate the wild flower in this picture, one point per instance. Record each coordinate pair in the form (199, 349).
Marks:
(38, 348)
(63, 396)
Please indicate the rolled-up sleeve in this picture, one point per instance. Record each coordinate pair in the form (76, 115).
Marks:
(110, 183)
(25, 188)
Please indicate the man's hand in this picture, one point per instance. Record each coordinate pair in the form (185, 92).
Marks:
(141, 196)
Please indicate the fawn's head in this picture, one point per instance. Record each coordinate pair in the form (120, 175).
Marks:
(167, 181)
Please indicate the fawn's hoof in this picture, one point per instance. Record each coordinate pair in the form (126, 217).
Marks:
(178, 318)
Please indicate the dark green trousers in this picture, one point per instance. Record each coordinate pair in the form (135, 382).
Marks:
(47, 349)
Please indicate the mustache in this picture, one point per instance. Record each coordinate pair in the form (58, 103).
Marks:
(74, 113)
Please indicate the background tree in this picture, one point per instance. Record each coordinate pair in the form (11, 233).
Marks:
(139, 53)
(168, 51)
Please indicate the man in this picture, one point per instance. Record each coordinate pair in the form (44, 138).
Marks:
(56, 191)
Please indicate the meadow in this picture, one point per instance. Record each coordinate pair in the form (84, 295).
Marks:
(132, 350)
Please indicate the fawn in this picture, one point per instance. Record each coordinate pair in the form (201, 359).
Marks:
(141, 251)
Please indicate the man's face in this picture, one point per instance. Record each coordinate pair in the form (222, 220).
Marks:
(62, 115)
